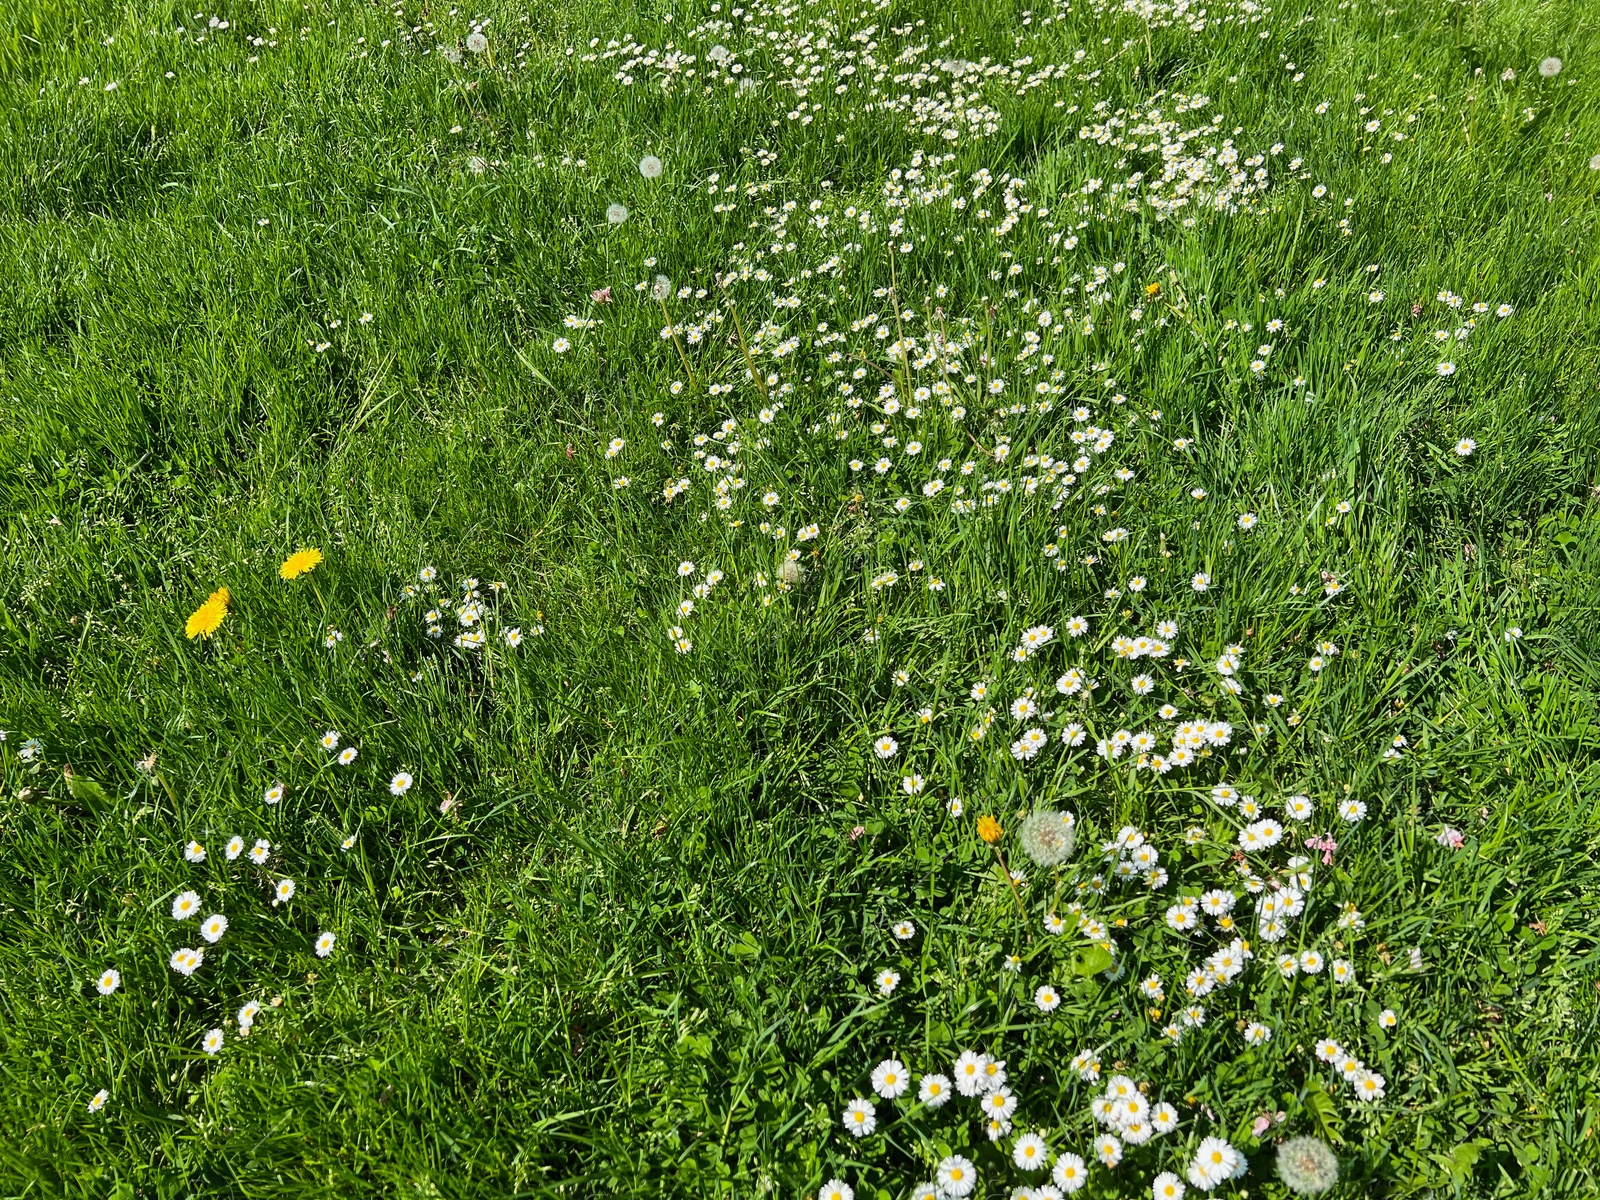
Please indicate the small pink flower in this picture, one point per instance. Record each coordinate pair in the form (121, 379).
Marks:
(1450, 839)
(857, 832)
(1260, 1125)
(1326, 844)
(601, 295)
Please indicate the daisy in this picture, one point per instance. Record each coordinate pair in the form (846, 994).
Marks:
(330, 740)
(1030, 1152)
(275, 793)
(212, 1042)
(934, 1090)
(247, 1014)
(260, 851)
(1070, 1173)
(888, 981)
(1108, 1150)
(347, 756)
(194, 852)
(325, 944)
(285, 891)
(969, 1072)
(110, 980)
(213, 927)
(885, 747)
(98, 1100)
(889, 1078)
(400, 784)
(836, 1189)
(186, 961)
(860, 1118)
(1047, 998)
(957, 1177)
(185, 905)
(999, 1104)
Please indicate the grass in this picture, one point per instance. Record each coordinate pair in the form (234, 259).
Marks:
(621, 936)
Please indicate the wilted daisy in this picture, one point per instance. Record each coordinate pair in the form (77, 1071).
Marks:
(284, 891)
(325, 943)
(213, 927)
(98, 1100)
(860, 1118)
(185, 905)
(400, 784)
(110, 980)
(247, 1014)
(348, 842)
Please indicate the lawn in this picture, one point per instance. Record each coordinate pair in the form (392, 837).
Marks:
(820, 599)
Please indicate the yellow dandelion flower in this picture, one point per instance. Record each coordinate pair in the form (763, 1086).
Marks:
(298, 563)
(989, 829)
(207, 619)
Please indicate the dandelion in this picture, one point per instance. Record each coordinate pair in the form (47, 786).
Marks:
(860, 1118)
(110, 980)
(476, 42)
(347, 756)
(1550, 67)
(400, 784)
(989, 829)
(325, 944)
(1306, 1166)
(98, 1100)
(301, 562)
(207, 619)
(650, 167)
(616, 214)
(213, 927)
(1048, 837)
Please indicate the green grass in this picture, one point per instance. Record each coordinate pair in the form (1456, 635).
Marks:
(621, 936)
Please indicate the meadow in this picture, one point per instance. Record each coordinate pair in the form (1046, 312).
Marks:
(837, 599)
